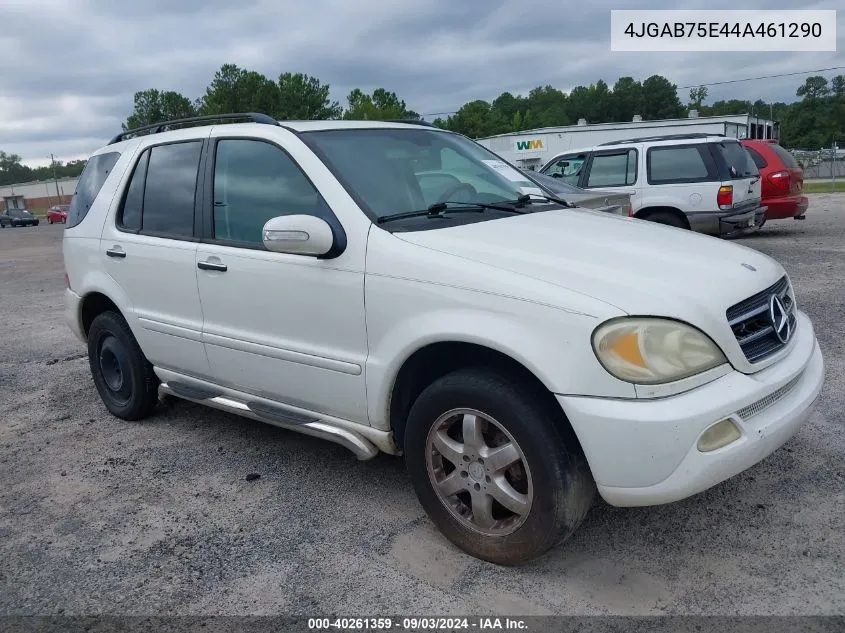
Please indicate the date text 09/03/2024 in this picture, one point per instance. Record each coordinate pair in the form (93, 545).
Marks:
(724, 29)
(416, 624)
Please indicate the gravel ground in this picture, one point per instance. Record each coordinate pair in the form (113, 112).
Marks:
(99, 516)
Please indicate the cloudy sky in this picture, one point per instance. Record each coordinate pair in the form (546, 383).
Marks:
(69, 68)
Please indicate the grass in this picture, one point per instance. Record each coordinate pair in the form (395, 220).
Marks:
(824, 187)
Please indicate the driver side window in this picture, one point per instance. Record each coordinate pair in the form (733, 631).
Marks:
(255, 181)
(567, 168)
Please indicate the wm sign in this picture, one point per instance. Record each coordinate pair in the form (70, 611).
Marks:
(530, 145)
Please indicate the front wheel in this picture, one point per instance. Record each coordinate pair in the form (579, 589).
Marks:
(493, 467)
(123, 376)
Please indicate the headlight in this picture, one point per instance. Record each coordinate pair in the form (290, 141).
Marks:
(652, 351)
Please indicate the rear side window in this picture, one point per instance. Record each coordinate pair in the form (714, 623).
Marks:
(129, 218)
(613, 170)
(169, 189)
(160, 197)
(97, 169)
(680, 164)
(757, 157)
(788, 159)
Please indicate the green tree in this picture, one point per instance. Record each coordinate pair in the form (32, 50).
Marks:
(814, 87)
(837, 86)
(627, 99)
(548, 105)
(302, 97)
(697, 97)
(477, 119)
(660, 99)
(235, 89)
(152, 106)
(379, 106)
(12, 170)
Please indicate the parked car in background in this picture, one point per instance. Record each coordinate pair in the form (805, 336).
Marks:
(17, 217)
(616, 202)
(783, 180)
(58, 213)
(704, 182)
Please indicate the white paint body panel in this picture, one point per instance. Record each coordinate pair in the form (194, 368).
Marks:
(330, 335)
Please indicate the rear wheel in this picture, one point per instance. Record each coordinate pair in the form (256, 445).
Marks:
(123, 376)
(493, 469)
(666, 217)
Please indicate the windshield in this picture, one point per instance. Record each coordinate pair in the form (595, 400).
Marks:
(391, 171)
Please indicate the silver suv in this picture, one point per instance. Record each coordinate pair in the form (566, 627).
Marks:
(703, 182)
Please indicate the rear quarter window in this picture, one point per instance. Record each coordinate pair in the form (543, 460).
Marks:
(757, 157)
(680, 164)
(93, 177)
(788, 159)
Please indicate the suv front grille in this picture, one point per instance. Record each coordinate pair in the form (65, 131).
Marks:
(752, 323)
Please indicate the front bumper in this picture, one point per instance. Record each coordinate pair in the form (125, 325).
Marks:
(644, 452)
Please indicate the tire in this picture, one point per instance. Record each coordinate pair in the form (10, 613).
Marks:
(49, 220)
(667, 218)
(555, 490)
(123, 376)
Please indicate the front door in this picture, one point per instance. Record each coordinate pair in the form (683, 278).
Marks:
(286, 327)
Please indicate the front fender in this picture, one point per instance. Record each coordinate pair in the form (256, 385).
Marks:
(551, 343)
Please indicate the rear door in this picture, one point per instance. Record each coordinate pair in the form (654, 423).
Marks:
(149, 248)
(739, 171)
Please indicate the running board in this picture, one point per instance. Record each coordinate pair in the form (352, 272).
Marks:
(359, 445)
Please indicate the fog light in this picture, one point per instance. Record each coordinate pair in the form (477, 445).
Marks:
(719, 435)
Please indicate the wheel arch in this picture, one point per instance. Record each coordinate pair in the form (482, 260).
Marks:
(93, 304)
(436, 359)
(645, 212)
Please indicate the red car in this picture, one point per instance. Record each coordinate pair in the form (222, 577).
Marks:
(58, 213)
(783, 180)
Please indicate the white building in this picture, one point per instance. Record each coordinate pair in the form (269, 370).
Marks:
(532, 148)
(37, 196)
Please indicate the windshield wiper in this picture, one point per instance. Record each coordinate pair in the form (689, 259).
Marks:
(438, 210)
(537, 197)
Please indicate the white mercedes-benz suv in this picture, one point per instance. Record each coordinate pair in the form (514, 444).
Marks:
(397, 288)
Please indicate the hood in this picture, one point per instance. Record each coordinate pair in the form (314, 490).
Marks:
(640, 267)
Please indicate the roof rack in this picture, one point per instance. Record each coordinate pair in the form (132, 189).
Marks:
(411, 122)
(155, 128)
(668, 137)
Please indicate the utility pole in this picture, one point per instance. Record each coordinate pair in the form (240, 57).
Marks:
(55, 178)
(833, 165)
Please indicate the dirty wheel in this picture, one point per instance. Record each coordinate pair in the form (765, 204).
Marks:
(123, 376)
(493, 469)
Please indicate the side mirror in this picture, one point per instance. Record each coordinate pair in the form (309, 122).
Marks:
(298, 235)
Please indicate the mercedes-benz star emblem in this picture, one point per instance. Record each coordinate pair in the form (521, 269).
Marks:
(780, 319)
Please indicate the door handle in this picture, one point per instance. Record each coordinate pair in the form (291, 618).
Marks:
(206, 265)
(116, 251)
